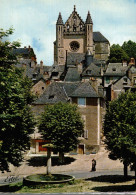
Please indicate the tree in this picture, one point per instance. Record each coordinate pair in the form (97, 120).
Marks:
(130, 48)
(16, 119)
(61, 123)
(120, 129)
(117, 54)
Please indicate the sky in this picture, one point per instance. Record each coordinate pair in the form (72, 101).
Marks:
(34, 21)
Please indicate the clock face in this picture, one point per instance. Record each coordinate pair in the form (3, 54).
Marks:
(74, 46)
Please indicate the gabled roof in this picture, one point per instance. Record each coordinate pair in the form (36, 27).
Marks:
(72, 74)
(132, 69)
(61, 91)
(98, 37)
(24, 51)
(85, 90)
(74, 13)
(53, 94)
(69, 87)
(116, 69)
(121, 79)
(92, 70)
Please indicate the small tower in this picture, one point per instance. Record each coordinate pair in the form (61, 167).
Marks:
(59, 41)
(89, 33)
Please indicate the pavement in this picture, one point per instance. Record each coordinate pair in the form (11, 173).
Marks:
(80, 166)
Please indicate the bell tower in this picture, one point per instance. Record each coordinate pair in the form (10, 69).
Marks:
(89, 34)
(59, 41)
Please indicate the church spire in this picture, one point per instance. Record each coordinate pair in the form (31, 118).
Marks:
(74, 8)
(89, 19)
(59, 21)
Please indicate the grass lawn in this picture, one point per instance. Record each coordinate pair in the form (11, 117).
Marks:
(111, 183)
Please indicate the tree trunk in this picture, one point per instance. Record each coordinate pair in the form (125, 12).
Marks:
(61, 157)
(125, 169)
(48, 161)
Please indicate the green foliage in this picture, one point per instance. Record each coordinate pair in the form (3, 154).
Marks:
(125, 52)
(117, 54)
(62, 125)
(16, 119)
(120, 128)
(130, 48)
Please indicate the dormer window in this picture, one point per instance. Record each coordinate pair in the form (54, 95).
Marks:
(55, 73)
(125, 80)
(51, 96)
(114, 69)
(88, 71)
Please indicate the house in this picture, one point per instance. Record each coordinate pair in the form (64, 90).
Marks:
(90, 104)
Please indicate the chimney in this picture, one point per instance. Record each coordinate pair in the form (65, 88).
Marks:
(41, 67)
(124, 63)
(29, 48)
(132, 61)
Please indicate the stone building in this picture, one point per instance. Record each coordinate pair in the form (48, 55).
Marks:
(77, 37)
(90, 104)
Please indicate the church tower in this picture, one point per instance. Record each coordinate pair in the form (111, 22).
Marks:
(59, 41)
(75, 37)
(89, 34)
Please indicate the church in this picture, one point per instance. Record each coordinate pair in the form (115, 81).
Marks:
(76, 36)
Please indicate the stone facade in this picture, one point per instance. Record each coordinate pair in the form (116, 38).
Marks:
(77, 36)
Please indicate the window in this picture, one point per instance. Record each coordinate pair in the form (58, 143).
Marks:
(51, 96)
(74, 45)
(114, 69)
(125, 80)
(88, 71)
(107, 80)
(86, 134)
(82, 101)
(134, 80)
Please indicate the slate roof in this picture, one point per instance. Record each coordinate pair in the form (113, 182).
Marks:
(73, 58)
(116, 69)
(85, 90)
(132, 69)
(72, 74)
(121, 79)
(69, 87)
(61, 91)
(92, 70)
(98, 37)
(21, 51)
(24, 52)
(53, 94)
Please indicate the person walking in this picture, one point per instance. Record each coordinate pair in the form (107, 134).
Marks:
(93, 165)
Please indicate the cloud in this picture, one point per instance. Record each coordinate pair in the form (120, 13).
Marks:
(34, 21)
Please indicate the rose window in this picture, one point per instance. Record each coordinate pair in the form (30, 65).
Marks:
(74, 45)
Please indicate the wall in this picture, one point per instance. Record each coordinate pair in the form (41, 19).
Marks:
(90, 111)
(101, 50)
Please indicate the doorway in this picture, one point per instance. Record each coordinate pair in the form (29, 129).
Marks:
(81, 149)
